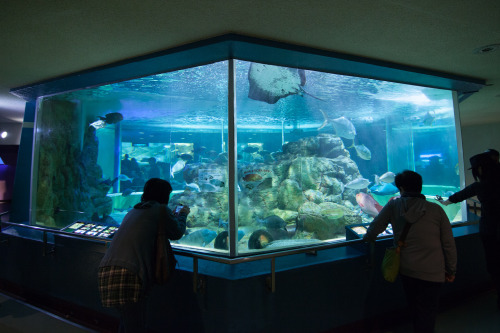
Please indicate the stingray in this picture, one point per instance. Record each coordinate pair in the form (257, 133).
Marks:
(270, 83)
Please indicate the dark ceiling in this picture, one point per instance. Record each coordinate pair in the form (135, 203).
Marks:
(41, 40)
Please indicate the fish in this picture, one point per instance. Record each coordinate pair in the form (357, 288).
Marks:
(273, 222)
(193, 187)
(358, 184)
(368, 204)
(387, 177)
(384, 189)
(252, 177)
(342, 126)
(178, 167)
(363, 152)
(259, 239)
(222, 240)
(124, 178)
(201, 237)
(112, 118)
(428, 119)
(98, 124)
(270, 83)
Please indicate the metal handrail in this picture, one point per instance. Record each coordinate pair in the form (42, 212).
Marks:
(325, 245)
(313, 248)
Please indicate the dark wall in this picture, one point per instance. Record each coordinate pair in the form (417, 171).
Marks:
(330, 295)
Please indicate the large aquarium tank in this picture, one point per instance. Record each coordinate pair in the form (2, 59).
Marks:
(267, 157)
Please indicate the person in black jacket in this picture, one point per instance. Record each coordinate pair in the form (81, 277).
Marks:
(486, 172)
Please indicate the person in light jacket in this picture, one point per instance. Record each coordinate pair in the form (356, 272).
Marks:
(428, 256)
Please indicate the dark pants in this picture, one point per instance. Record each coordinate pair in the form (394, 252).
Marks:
(133, 317)
(423, 299)
(490, 236)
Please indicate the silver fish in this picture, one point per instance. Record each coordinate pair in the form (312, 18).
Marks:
(178, 167)
(358, 184)
(387, 177)
(193, 187)
(98, 124)
(124, 178)
(342, 126)
(363, 152)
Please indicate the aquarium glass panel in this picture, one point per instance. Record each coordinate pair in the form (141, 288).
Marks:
(316, 153)
(96, 147)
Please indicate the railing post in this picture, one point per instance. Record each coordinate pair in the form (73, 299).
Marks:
(195, 275)
(271, 280)
(44, 246)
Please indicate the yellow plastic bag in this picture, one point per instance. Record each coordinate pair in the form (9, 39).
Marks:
(390, 263)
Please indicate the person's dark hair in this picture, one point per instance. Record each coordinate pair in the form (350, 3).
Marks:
(409, 180)
(488, 167)
(493, 152)
(157, 189)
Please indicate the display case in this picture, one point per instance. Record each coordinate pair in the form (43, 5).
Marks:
(266, 156)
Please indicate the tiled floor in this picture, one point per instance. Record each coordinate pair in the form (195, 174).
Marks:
(478, 314)
(18, 317)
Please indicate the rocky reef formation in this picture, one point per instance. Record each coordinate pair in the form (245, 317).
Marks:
(303, 186)
(68, 184)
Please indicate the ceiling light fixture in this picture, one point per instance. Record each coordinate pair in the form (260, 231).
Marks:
(4, 134)
(487, 49)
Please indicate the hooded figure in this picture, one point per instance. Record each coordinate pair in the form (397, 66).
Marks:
(428, 256)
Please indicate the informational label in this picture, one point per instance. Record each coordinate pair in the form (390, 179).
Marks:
(256, 177)
(91, 229)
